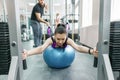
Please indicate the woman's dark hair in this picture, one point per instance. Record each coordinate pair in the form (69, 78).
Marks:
(61, 28)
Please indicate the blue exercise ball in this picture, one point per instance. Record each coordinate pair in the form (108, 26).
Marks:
(59, 57)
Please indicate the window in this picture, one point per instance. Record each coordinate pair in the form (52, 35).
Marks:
(87, 13)
(115, 10)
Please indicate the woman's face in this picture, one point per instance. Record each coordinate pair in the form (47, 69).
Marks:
(60, 39)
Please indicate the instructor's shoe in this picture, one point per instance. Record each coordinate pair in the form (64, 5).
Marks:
(34, 46)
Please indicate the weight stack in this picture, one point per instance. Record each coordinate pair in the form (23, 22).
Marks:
(115, 45)
(5, 56)
(76, 36)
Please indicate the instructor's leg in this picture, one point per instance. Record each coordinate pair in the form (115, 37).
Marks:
(40, 34)
(35, 32)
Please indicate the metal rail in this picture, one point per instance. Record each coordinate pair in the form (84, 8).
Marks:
(13, 71)
(107, 68)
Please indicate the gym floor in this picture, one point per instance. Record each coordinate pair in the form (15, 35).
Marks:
(81, 68)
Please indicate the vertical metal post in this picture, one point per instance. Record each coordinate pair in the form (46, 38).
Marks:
(66, 10)
(14, 32)
(26, 17)
(104, 30)
(73, 18)
(51, 11)
(79, 17)
(4, 13)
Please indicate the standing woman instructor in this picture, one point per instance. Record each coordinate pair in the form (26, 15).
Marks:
(36, 19)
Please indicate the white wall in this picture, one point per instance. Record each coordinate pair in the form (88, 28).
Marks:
(115, 10)
(95, 12)
(89, 35)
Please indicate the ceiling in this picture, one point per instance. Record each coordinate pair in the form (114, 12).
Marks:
(58, 5)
